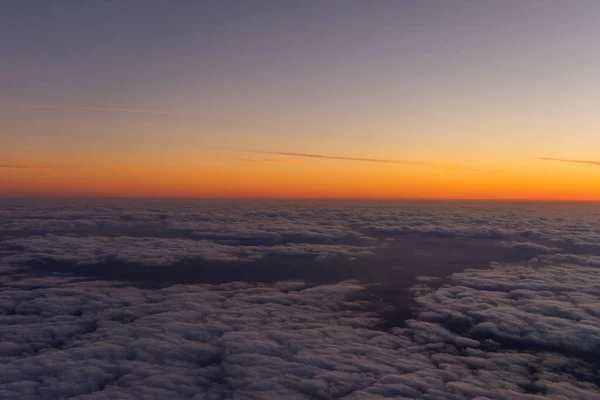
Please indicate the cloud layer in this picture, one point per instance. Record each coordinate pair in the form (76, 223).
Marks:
(525, 329)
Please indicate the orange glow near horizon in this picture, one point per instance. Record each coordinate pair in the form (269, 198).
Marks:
(399, 100)
(281, 177)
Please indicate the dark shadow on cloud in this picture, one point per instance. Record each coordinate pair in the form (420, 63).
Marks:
(589, 162)
(389, 273)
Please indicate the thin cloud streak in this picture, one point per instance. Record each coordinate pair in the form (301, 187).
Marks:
(326, 157)
(446, 166)
(272, 160)
(70, 107)
(34, 165)
(13, 166)
(588, 162)
(362, 159)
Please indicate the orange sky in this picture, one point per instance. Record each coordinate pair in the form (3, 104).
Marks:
(273, 176)
(400, 99)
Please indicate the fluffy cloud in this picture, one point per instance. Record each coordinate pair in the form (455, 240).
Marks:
(156, 251)
(290, 340)
(514, 331)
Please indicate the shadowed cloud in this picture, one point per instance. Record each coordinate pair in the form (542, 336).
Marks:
(302, 300)
(589, 162)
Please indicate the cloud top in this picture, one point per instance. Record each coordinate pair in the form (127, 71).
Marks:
(524, 329)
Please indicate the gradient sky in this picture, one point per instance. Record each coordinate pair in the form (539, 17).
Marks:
(434, 99)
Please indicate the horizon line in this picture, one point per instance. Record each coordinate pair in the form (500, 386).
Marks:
(278, 198)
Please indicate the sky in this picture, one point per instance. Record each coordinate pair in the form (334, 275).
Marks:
(349, 99)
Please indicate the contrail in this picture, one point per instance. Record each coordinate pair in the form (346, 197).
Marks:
(374, 160)
(91, 108)
(272, 160)
(326, 157)
(13, 166)
(35, 165)
(596, 163)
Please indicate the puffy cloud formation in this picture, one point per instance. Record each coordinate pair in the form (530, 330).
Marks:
(554, 308)
(165, 232)
(499, 335)
(159, 251)
(521, 330)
